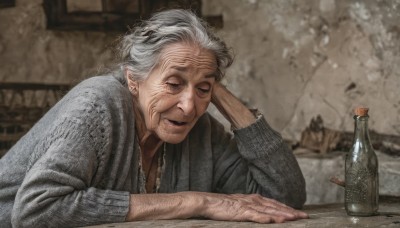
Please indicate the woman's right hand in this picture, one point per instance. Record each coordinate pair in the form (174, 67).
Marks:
(236, 207)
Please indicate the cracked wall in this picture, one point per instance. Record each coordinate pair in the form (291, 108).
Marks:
(299, 59)
(294, 59)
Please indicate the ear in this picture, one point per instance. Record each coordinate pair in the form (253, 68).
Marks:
(133, 85)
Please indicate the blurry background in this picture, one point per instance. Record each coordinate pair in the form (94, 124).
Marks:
(294, 60)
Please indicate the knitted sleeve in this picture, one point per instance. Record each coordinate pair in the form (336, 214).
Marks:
(56, 190)
(256, 160)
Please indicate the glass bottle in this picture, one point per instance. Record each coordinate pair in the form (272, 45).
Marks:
(361, 174)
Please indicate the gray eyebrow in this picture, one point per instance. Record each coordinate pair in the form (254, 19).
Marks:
(212, 75)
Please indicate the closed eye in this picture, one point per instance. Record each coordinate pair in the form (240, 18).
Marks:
(204, 90)
(173, 86)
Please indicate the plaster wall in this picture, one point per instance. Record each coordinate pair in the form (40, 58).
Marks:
(30, 53)
(298, 59)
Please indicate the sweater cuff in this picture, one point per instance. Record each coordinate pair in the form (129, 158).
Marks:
(258, 140)
(111, 206)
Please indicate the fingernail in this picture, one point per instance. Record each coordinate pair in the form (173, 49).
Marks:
(304, 214)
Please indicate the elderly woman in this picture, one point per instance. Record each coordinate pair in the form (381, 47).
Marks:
(138, 143)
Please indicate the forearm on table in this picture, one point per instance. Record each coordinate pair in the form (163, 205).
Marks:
(231, 107)
(236, 207)
(164, 206)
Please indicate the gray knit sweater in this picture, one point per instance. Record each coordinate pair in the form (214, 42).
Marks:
(79, 164)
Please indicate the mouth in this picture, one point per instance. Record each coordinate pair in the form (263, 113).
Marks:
(178, 123)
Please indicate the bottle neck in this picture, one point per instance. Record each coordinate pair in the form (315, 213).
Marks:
(361, 128)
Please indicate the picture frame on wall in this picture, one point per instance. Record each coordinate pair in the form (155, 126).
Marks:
(111, 15)
(7, 3)
(97, 15)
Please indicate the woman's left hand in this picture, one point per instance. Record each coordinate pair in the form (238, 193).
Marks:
(231, 107)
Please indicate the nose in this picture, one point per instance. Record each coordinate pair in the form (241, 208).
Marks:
(186, 102)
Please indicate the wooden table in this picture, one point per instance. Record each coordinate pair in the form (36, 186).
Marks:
(329, 215)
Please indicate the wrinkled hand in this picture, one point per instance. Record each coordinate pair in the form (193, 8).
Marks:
(231, 107)
(237, 207)
(254, 208)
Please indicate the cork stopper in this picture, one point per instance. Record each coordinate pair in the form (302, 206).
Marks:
(361, 111)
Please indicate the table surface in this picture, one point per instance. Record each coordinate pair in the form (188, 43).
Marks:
(328, 215)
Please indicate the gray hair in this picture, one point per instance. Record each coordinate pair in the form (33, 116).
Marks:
(140, 50)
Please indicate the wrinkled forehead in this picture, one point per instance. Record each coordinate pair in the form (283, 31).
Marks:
(185, 54)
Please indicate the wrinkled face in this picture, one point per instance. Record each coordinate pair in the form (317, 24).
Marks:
(177, 91)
